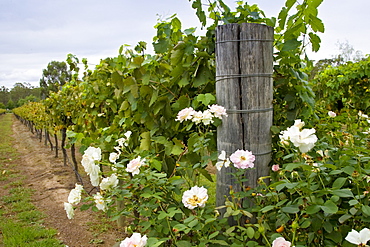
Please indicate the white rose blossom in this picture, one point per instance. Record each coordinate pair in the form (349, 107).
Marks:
(332, 114)
(134, 165)
(195, 197)
(134, 241)
(360, 114)
(223, 161)
(124, 140)
(207, 117)
(109, 182)
(100, 203)
(91, 155)
(298, 123)
(185, 114)
(359, 238)
(74, 196)
(69, 210)
(218, 111)
(304, 139)
(113, 157)
(197, 117)
(94, 153)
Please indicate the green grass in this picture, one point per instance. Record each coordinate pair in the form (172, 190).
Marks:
(20, 222)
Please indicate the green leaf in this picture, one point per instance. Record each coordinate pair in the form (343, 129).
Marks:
(183, 81)
(366, 210)
(145, 140)
(197, 5)
(156, 164)
(154, 242)
(315, 41)
(206, 99)
(329, 207)
(316, 24)
(339, 182)
(183, 243)
(161, 46)
(193, 223)
(336, 236)
(291, 166)
(328, 226)
(349, 170)
(353, 202)
(292, 209)
(117, 80)
(306, 223)
(177, 56)
(176, 180)
(219, 242)
(267, 208)
(343, 193)
(312, 209)
(289, 3)
(213, 235)
(282, 17)
(344, 217)
(291, 45)
(250, 232)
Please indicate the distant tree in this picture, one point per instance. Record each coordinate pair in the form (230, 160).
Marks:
(4, 95)
(2, 106)
(10, 105)
(53, 77)
(29, 98)
(348, 53)
(20, 90)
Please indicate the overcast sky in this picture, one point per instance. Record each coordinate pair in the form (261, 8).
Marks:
(36, 32)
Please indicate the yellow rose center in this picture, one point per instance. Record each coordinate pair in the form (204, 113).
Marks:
(194, 200)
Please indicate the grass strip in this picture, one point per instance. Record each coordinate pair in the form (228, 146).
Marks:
(20, 221)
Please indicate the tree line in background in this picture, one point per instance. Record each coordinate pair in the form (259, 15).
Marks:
(53, 77)
(20, 94)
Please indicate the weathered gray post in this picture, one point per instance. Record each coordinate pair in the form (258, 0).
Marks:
(244, 66)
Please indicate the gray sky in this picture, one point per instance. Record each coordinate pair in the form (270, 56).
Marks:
(36, 32)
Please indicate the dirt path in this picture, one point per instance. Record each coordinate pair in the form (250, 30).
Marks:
(52, 181)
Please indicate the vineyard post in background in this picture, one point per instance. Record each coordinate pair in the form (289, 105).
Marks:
(244, 66)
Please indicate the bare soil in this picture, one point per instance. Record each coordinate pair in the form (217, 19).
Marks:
(52, 182)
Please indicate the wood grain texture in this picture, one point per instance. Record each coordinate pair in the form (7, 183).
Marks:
(244, 66)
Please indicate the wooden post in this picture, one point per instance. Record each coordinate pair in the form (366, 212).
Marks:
(244, 66)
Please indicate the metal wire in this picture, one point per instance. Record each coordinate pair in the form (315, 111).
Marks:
(232, 76)
(232, 111)
(245, 40)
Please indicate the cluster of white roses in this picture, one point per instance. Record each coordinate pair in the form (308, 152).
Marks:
(205, 117)
(354, 237)
(134, 165)
(74, 196)
(121, 143)
(90, 162)
(304, 139)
